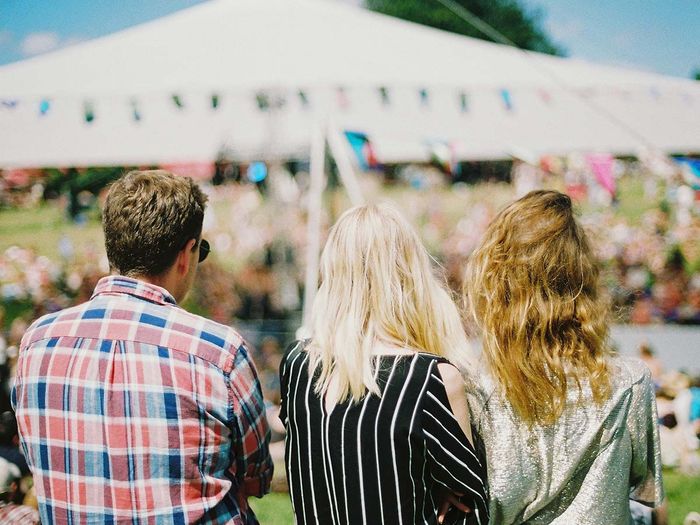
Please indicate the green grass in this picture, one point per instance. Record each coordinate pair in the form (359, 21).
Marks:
(682, 492)
(632, 201)
(273, 509)
(683, 495)
(41, 228)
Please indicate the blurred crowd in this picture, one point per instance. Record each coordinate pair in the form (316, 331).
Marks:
(678, 403)
(254, 279)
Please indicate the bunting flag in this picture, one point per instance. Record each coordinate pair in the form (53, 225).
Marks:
(507, 100)
(602, 165)
(384, 95)
(44, 106)
(135, 112)
(268, 100)
(363, 149)
(424, 97)
(442, 156)
(464, 102)
(263, 100)
(304, 99)
(88, 111)
(177, 100)
(691, 170)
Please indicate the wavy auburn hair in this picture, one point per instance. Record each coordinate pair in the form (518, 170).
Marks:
(378, 285)
(533, 288)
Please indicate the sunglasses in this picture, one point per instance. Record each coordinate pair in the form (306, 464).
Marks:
(204, 250)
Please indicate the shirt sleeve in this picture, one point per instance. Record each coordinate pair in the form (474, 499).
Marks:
(251, 464)
(454, 463)
(285, 369)
(646, 484)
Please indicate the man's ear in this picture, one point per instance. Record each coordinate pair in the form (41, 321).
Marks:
(182, 263)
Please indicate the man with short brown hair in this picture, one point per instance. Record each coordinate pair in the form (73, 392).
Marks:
(130, 409)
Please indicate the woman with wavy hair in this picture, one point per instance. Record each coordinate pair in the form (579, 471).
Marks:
(569, 428)
(368, 401)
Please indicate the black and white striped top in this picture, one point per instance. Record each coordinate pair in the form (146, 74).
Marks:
(383, 460)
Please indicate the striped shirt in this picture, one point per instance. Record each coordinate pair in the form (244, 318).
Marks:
(132, 410)
(383, 460)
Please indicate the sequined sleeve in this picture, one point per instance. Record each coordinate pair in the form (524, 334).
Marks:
(646, 484)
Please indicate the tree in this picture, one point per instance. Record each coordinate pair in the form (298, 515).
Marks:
(517, 23)
(697, 74)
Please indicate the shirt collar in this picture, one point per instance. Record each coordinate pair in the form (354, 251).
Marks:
(118, 284)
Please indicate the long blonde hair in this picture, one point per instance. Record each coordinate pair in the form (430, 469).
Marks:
(533, 287)
(377, 285)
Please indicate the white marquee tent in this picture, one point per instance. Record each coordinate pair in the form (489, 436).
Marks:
(404, 85)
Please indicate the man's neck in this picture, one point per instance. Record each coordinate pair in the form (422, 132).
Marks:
(165, 281)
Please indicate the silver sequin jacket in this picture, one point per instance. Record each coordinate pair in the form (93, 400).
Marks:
(584, 469)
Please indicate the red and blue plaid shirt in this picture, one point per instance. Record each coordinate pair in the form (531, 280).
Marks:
(132, 410)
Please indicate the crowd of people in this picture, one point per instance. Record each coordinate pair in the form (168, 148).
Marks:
(652, 262)
(256, 285)
(678, 402)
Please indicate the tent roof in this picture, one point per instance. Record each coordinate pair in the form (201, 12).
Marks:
(237, 47)
(224, 44)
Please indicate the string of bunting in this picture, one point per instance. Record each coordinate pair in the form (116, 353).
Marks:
(274, 100)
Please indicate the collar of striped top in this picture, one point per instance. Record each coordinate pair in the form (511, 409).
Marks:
(118, 284)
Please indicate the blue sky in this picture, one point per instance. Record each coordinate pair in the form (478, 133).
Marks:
(657, 35)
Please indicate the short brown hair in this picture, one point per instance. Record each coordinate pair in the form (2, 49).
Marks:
(148, 217)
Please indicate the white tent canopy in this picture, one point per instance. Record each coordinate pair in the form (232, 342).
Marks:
(238, 49)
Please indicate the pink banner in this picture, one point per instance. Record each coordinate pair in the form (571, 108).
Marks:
(602, 165)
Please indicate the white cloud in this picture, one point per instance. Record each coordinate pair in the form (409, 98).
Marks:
(36, 43)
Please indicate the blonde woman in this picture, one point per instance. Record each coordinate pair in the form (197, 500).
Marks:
(569, 429)
(368, 401)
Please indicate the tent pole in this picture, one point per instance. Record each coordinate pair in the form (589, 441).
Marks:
(313, 224)
(346, 171)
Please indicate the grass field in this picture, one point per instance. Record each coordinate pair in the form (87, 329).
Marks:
(683, 493)
(273, 509)
(41, 228)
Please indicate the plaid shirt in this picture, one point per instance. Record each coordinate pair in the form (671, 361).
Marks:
(132, 410)
(11, 514)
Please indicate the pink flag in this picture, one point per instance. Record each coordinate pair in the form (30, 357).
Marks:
(602, 165)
